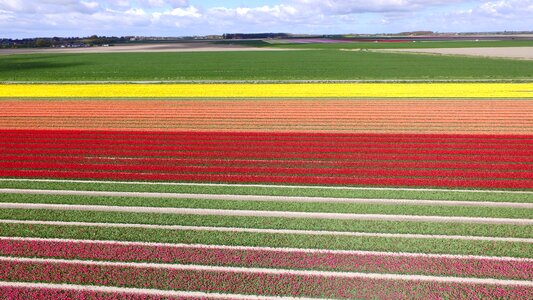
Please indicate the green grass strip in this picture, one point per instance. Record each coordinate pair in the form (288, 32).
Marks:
(274, 223)
(353, 208)
(272, 191)
(273, 240)
(257, 65)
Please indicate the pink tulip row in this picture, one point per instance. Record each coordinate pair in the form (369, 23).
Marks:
(252, 283)
(12, 293)
(328, 261)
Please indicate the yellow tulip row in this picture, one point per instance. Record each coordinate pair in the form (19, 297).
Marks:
(304, 90)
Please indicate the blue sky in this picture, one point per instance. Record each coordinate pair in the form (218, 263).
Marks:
(38, 18)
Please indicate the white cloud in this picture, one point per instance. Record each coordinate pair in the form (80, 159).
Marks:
(164, 3)
(183, 17)
(344, 7)
(507, 9)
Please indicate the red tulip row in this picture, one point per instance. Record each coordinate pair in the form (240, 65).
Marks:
(208, 135)
(252, 282)
(349, 165)
(247, 178)
(243, 154)
(272, 258)
(260, 170)
(319, 145)
(216, 141)
(390, 165)
(231, 148)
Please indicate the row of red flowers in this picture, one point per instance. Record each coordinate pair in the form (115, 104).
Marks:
(244, 154)
(348, 163)
(133, 140)
(154, 161)
(247, 178)
(509, 167)
(262, 170)
(113, 134)
(235, 148)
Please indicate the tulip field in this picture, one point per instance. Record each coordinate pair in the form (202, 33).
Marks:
(266, 191)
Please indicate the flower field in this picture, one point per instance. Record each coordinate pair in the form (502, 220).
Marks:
(242, 191)
(274, 90)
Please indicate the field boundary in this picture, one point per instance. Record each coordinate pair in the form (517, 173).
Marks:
(500, 80)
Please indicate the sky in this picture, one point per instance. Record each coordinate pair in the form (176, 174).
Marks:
(64, 18)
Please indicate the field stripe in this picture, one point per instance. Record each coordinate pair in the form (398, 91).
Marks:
(265, 213)
(268, 231)
(201, 268)
(272, 249)
(267, 198)
(138, 291)
(269, 186)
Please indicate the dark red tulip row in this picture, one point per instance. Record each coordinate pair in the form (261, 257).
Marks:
(474, 161)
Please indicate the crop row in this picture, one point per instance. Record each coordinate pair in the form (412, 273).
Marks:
(272, 258)
(266, 170)
(131, 232)
(250, 282)
(60, 292)
(231, 147)
(284, 207)
(243, 154)
(247, 178)
(471, 231)
(305, 90)
(185, 145)
(268, 190)
(262, 136)
(389, 165)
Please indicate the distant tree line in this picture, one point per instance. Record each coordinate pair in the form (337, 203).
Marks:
(62, 42)
(243, 36)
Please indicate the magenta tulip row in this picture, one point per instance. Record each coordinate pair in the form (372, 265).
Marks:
(253, 283)
(13, 293)
(249, 257)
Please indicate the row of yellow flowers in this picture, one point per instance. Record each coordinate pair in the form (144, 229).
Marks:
(307, 90)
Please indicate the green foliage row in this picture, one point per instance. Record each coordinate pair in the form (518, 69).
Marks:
(274, 191)
(257, 65)
(346, 208)
(273, 240)
(273, 223)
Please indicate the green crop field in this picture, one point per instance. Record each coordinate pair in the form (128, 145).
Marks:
(257, 65)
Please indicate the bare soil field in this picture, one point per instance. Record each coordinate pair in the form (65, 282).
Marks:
(170, 47)
(497, 52)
